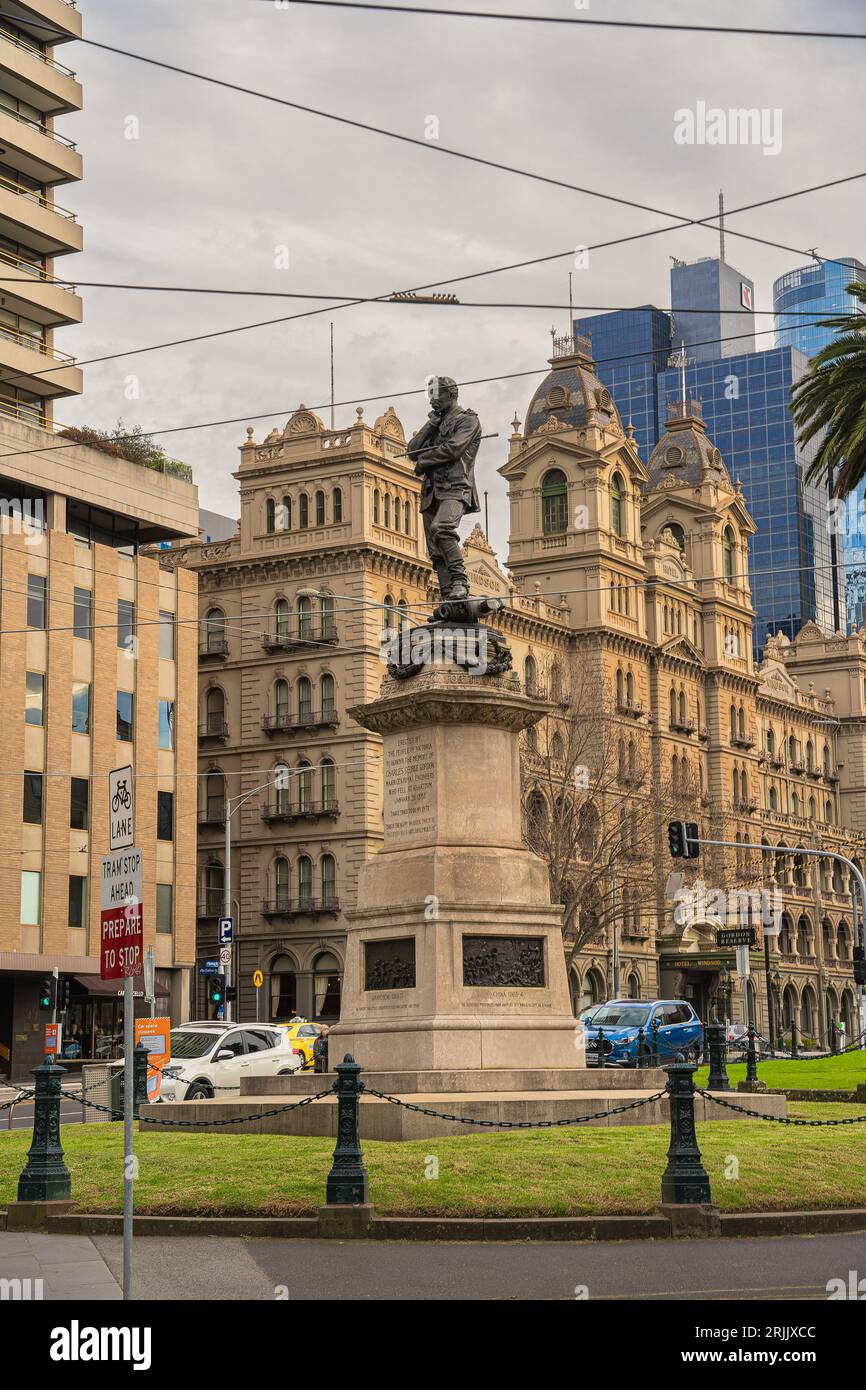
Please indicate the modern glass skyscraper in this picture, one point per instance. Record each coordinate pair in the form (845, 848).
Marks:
(816, 292)
(745, 399)
(630, 347)
(745, 402)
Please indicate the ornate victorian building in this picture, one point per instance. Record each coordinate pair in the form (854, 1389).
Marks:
(633, 572)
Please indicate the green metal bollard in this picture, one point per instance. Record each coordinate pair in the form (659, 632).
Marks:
(348, 1184)
(717, 1046)
(685, 1180)
(656, 1060)
(793, 1038)
(601, 1061)
(45, 1177)
(751, 1057)
(831, 1027)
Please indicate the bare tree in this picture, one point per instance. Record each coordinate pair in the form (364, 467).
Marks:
(595, 805)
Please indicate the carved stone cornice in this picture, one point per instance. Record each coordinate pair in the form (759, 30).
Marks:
(450, 697)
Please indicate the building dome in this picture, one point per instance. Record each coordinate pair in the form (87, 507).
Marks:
(685, 454)
(571, 395)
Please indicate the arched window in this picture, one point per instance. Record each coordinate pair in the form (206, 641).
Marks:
(282, 789)
(287, 513)
(530, 675)
(556, 746)
(728, 542)
(326, 988)
(320, 508)
(281, 883)
(215, 711)
(214, 889)
(303, 511)
(633, 986)
(672, 707)
(305, 618)
(305, 882)
(631, 761)
(741, 723)
(678, 534)
(270, 516)
(733, 723)
(215, 796)
(744, 787)
(554, 503)
(407, 518)
(281, 619)
(621, 759)
(337, 504)
(216, 630)
(328, 783)
(629, 687)
(620, 692)
(795, 804)
(328, 874)
(735, 784)
(825, 761)
(828, 811)
(305, 700)
(326, 616)
(810, 755)
(328, 697)
(616, 505)
(811, 808)
(398, 513)
(283, 989)
(682, 707)
(305, 785)
(771, 742)
(387, 509)
(377, 506)
(281, 703)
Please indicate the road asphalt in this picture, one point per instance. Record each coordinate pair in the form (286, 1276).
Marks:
(216, 1268)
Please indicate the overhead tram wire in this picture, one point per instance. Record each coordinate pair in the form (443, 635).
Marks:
(438, 12)
(387, 395)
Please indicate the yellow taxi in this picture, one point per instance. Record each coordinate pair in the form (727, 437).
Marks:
(303, 1035)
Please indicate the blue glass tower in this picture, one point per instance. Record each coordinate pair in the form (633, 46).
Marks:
(816, 292)
(630, 347)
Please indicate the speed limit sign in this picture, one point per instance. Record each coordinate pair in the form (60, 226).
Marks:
(225, 955)
(258, 979)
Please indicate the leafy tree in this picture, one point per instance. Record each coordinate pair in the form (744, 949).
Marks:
(831, 400)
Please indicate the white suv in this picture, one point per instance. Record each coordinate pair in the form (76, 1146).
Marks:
(209, 1059)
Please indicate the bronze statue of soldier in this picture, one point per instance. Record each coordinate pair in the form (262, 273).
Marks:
(444, 451)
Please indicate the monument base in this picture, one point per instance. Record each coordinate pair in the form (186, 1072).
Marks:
(452, 1043)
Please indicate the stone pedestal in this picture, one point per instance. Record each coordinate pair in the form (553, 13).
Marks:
(454, 955)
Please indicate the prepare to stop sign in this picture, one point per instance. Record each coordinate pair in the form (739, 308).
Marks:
(121, 915)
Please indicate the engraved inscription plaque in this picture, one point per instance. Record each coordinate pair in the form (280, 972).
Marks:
(390, 964)
(410, 787)
(503, 962)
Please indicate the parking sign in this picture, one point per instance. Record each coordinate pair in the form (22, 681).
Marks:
(226, 931)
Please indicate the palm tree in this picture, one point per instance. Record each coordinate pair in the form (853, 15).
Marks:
(831, 397)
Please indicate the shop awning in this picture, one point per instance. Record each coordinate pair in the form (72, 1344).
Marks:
(94, 984)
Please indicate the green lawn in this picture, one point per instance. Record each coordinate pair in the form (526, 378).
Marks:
(842, 1073)
(580, 1171)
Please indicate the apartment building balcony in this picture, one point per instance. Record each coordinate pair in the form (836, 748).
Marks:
(38, 367)
(682, 726)
(28, 289)
(277, 812)
(34, 149)
(214, 730)
(48, 21)
(703, 733)
(744, 741)
(35, 77)
(212, 815)
(214, 649)
(286, 640)
(36, 221)
(797, 767)
(630, 708)
(291, 723)
(300, 907)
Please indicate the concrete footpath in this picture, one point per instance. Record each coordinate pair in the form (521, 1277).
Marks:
(215, 1268)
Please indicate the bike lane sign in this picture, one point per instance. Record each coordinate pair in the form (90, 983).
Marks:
(121, 915)
(121, 808)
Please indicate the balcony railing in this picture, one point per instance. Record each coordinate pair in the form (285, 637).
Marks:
(742, 740)
(34, 344)
(299, 907)
(683, 726)
(38, 127)
(213, 814)
(214, 649)
(282, 639)
(215, 727)
(288, 723)
(301, 810)
(631, 708)
(33, 197)
(36, 53)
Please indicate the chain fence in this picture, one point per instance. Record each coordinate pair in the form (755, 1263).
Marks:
(513, 1124)
(778, 1119)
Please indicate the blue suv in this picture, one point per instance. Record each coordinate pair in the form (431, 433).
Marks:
(679, 1031)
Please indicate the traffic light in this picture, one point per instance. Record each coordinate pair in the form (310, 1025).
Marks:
(859, 955)
(64, 990)
(683, 839)
(216, 990)
(46, 992)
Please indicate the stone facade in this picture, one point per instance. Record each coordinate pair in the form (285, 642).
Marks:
(636, 569)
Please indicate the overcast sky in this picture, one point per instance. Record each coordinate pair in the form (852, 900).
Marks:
(218, 181)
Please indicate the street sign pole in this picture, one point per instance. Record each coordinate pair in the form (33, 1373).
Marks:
(227, 901)
(128, 1130)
